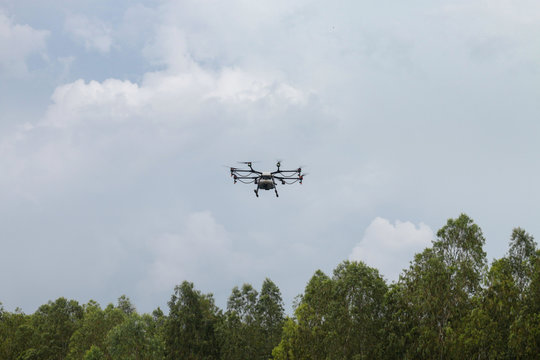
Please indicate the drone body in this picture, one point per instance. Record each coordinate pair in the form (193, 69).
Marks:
(266, 180)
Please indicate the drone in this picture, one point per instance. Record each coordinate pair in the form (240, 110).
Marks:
(266, 180)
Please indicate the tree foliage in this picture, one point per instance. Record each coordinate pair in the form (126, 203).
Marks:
(190, 330)
(448, 304)
(338, 318)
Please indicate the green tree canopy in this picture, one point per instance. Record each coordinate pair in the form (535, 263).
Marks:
(190, 327)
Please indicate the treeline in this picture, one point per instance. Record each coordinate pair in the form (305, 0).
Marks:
(449, 304)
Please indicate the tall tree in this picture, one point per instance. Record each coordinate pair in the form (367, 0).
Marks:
(17, 334)
(93, 329)
(398, 320)
(270, 317)
(305, 336)
(240, 333)
(439, 288)
(135, 339)
(426, 294)
(525, 331)
(253, 322)
(521, 255)
(191, 324)
(460, 244)
(338, 318)
(358, 310)
(502, 305)
(56, 322)
(487, 327)
(125, 305)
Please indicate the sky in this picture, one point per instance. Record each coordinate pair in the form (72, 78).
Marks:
(118, 121)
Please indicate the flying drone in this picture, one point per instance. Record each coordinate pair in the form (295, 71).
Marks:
(266, 180)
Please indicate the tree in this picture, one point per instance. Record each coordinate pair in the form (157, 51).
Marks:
(135, 339)
(93, 329)
(439, 288)
(304, 336)
(125, 305)
(521, 255)
(358, 311)
(94, 353)
(270, 316)
(55, 323)
(287, 347)
(525, 331)
(338, 318)
(17, 335)
(314, 323)
(426, 294)
(460, 244)
(501, 311)
(252, 324)
(398, 320)
(191, 325)
(240, 333)
(487, 328)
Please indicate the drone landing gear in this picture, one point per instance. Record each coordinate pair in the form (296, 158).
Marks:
(256, 192)
(276, 192)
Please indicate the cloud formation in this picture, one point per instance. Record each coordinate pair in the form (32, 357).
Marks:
(389, 247)
(17, 43)
(425, 109)
(95, 34)
(203, 252)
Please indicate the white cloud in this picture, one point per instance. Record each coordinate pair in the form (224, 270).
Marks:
(202, 252)
(17, 42)
(110, 100)
(234, 81)
(389, 247)
(93, 33)
(91, 126)
(166, 96)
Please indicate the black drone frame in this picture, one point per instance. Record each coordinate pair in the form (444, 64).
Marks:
(251, 176)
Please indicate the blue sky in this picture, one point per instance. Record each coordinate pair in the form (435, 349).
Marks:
(116, 120)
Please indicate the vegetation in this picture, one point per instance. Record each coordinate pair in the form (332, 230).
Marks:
(447, 305)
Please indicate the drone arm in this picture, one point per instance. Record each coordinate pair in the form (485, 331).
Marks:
(239, 171)
(246, 177)
(289, 179)
(286, 172)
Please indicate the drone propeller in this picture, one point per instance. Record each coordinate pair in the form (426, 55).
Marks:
(248, 163)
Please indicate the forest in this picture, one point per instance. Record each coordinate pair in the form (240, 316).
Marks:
(450, 303)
